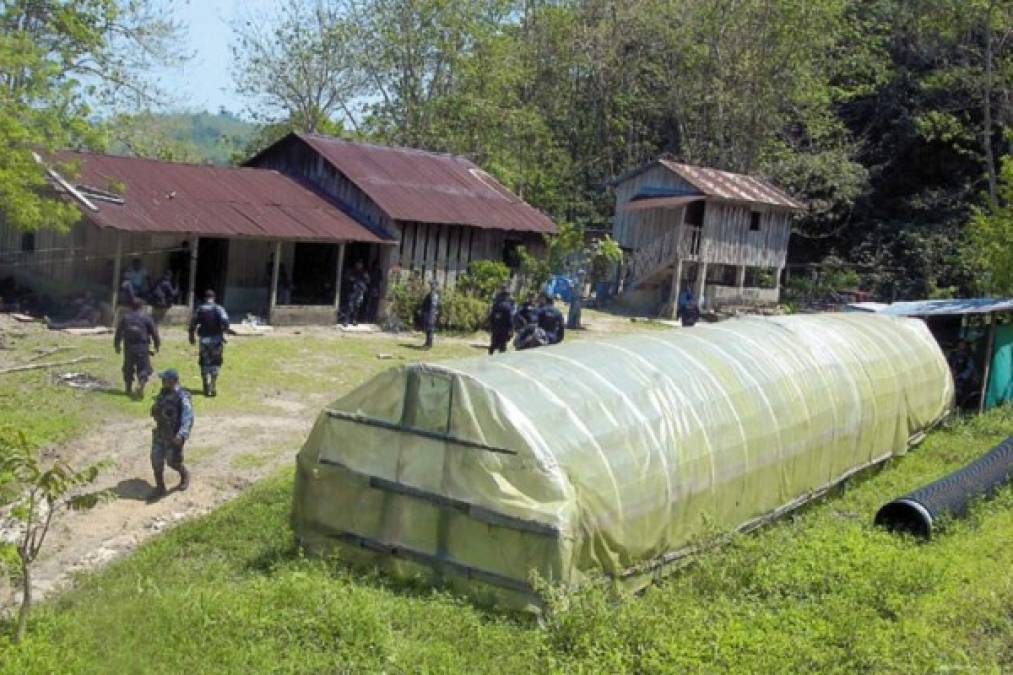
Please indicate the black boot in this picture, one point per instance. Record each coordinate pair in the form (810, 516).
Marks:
(140, 389)
(128, 388)
(213, 386)
(206, 387)
(184, 479)
(159, 490)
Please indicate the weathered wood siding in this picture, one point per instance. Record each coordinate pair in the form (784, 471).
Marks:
(636, 229)
(728, 239)
(443, 252)
(66, 263)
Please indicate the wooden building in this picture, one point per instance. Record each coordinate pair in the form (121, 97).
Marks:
(722, 234)
(443, 210)
(276, 237)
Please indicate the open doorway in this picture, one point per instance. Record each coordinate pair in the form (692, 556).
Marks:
(212, 264)
(313, 270)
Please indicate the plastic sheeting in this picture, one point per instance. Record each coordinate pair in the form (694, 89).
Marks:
(609, 455)
(1000, 380)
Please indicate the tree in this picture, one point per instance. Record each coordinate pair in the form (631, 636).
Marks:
(47, 47)
(989, 249)
(30, 495)
(301, 65)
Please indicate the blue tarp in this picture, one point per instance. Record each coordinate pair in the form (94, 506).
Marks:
(945, 307)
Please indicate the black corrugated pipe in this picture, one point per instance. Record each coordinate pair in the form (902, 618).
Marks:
(917, 512)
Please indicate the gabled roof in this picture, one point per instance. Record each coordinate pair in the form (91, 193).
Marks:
(717, 184)
(145, 195)
(428, 187)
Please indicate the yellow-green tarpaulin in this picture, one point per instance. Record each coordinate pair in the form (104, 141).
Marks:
(609, 455)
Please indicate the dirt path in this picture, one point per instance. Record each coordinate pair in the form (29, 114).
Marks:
(227, 454)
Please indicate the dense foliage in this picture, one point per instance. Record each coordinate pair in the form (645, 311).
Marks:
(887, 116)
(49, 49)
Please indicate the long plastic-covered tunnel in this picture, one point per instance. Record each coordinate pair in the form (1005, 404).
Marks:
(609, 455)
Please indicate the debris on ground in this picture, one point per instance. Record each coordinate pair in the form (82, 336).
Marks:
(54, 364)
(387, 357)
(41, 353)
(85, 381)
(24, 318)
(97, 330)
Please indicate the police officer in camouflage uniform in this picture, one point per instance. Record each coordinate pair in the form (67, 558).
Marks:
(501, 320)
(209, 323)
(135, 331)
(173, 414)
(358, 286)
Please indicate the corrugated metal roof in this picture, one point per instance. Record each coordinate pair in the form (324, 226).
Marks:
(170, 197)
(429, 187)
(949, 307)
(732, 186)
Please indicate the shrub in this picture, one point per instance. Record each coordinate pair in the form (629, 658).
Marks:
(462, 312)
(483, 278)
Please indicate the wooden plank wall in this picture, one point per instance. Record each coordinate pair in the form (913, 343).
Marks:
(444, 251)
(728, 239)
(636, 229)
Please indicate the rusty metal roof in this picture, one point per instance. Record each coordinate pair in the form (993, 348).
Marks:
(429, 187)
(170, 197)
(731, 186)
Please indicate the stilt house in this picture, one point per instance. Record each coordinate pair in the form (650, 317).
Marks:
(723, 235)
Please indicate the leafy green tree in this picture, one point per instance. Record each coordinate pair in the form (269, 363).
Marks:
(31, 493)
(300, 65)
(990, 238)
(48, 48)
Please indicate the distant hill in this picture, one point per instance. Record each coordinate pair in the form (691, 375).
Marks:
(215, 136)
(185, 136)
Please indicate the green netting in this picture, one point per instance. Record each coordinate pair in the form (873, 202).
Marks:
(610, 455)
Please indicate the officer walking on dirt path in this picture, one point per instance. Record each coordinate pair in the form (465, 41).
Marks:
(135, 331)
(173, 414)
(209, 322)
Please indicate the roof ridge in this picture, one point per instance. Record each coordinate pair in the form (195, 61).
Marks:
(170, 162)
(381, 146)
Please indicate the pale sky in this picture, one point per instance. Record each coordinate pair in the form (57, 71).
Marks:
(206, 81)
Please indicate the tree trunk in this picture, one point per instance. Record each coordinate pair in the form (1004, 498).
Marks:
(26, 601)
(987, 105)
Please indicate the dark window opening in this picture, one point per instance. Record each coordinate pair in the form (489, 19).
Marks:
(511, 256)
(754, 221)
(28, 242)
(695, 213)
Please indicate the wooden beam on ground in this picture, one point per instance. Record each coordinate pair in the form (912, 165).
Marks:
(54, 364)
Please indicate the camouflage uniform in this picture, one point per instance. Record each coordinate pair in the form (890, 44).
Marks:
(173, 414)
(501, 321)
(135, 331)
(209, 323)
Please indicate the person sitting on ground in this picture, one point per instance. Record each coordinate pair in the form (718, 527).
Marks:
(525, 314)
(550, 319)
(86, 314)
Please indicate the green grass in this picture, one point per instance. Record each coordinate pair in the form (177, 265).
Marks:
(820, 590)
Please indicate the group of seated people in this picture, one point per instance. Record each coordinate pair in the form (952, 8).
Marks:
(532, 324)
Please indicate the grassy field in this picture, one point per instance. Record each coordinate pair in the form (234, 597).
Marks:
(820, 590)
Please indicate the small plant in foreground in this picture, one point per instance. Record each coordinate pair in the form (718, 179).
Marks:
(30, 495)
